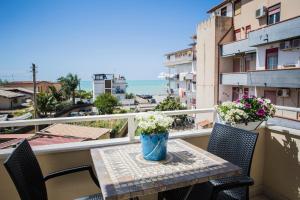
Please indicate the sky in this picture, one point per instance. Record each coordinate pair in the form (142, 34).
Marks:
(128, 37)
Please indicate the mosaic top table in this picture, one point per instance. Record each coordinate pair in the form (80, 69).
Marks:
(124, 174)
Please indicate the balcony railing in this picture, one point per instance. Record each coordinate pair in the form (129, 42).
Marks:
(98, 143)
(284, 78)
(178, 61)
(239, 78)
(237, 47)
(276, 32)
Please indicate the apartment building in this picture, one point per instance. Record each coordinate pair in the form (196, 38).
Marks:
(182, 74)
(109, 83)
(256, 51)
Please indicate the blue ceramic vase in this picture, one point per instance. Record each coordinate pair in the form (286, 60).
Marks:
(154, 146)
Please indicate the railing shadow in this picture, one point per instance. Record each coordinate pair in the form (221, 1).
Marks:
(282, 164)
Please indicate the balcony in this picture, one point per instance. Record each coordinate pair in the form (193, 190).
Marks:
(178, 61)
(237, 47)
(276, 32)
(282, 78)
(239, 78)
(275, 166)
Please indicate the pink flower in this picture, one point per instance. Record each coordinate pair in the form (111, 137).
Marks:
(260, 112)
(261, 101)
(248, 106)
(245, 97)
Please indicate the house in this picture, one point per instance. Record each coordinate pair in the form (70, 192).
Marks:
(109, 83)
(41, 86)
(182, 74)
(248, 51)
(10, 100)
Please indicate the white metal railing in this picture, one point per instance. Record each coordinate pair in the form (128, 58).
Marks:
(286, 108)
(129, 116)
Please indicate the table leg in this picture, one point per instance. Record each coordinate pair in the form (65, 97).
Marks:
(188, 192)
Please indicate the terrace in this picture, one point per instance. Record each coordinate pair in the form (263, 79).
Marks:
(275, 166)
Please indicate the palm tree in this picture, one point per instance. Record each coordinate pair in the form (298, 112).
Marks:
(69, 85)
(45, 103)
(57, 94)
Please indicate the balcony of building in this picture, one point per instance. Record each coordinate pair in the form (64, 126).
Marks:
(236, 47)
(282, 78)
(275, 166)
(280, 31)
(180, 57)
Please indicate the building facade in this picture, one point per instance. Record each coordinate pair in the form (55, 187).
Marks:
(109, 83)
(182, 75)
(257, 52)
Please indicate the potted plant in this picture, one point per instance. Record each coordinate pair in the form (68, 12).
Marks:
(153, 128)
(246, 113)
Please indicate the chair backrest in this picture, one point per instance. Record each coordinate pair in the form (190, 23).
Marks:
(234, 145)
(26, 173)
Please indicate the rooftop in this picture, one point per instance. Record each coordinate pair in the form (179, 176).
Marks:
(68, 130)
(218, 6)
(8, 94)
(51, 139)
(14, 89)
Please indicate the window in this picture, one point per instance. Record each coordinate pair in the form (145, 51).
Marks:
(237, 34)
(224, 12)
(274, 14)
(248, 29)
(237, 7)
(272, 58)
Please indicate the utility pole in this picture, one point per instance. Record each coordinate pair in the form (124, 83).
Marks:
(33, 70)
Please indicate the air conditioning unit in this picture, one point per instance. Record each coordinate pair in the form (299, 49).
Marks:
(285, 45)
(283, 92)
(296, 43)
(261, 12)
(289, 65)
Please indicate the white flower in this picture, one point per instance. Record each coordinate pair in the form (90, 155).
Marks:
(152, 122)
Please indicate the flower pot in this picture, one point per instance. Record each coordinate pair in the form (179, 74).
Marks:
(154, 146)
(250, 126)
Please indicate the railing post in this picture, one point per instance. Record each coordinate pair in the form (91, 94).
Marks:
(131, 128)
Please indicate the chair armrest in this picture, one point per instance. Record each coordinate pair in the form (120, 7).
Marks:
(234, 183)
(73, 170)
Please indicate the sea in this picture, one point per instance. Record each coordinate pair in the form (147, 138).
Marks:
(142, 87)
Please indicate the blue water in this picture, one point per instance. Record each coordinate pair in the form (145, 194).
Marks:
(152, 87)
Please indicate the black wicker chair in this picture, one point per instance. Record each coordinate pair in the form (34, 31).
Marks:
(234, 145)
(27, 176)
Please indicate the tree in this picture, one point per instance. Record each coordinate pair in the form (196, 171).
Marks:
(105, 103)
(69, 85)
(45, 103)
(129, 95)
(84, 94)
(170, 103)
(57, 94)
(3, 82)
